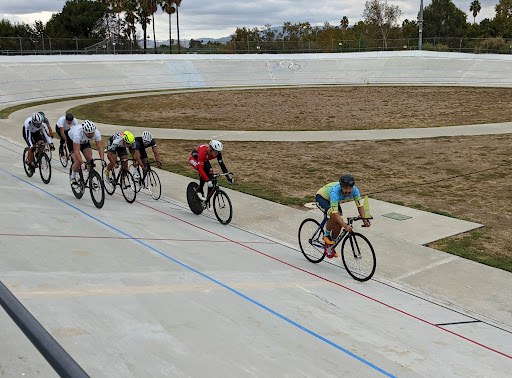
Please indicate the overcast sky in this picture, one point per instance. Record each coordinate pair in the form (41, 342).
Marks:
(215, 19)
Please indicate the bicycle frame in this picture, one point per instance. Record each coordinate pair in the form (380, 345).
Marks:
(343, 234)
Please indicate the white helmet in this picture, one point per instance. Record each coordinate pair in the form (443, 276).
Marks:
(37, 118)
(147, 137)
(216, 145)
(88, 127)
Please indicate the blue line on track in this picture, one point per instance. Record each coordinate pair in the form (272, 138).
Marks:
(211, 279)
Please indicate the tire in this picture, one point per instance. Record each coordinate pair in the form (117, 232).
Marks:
(358, 257)
(135, 171)
(222, 207)
(48, 151)
(26, 166)
(127, 185)
(62, 156)
(311, 240)
(154, 185)
(79, 191)
(109, 183)
(195, 204)
(45, 168)
(97, 189)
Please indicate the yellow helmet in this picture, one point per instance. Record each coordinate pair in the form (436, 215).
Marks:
(128, 137)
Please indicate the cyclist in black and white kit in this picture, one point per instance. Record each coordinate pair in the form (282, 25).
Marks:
(34, 133)
(79, 139)
(62, 127)
(138, 151)
(116, 146)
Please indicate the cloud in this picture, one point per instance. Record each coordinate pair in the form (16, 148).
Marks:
(215, 19)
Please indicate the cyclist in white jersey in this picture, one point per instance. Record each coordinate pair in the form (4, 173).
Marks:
(34, 133)
(80, 140)
(62, 127)
(116, 146)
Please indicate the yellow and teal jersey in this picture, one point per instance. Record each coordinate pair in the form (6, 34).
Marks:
(332, 193)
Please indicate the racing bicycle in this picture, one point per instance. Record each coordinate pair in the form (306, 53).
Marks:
(356, 250)
(88, 177)
(123, 179)
(221, 203)
(64, 155)
(40, 160)
(149, 180)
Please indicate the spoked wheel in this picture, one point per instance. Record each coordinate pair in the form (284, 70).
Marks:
(135, 171)
(79, 190)
(195, 204)
(154, 185)
(128, 186)
(97, 189)
(45, 168)
(48, 151)
(358, 257)
(28, 171)
(110, 182)
(63, 156)
(222, 207)
(311, 240)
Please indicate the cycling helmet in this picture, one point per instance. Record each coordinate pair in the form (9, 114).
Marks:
(69, 117)
(42, 113)
(147, 137)
(128, 137)
(37, 118)
(347, 181)
(216, 145)
(88, 127)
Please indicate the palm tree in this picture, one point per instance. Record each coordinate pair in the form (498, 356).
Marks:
(178, 4)
(152, 9)
(168, 7)
(143, 14)
(475, 7)
(344, 23)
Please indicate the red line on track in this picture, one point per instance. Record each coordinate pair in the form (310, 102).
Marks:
(323, 278)
(333, 282)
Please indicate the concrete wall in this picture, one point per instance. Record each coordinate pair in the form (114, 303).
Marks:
(29, 78)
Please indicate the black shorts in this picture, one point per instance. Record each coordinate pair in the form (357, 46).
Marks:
(34, 136)
(82, 146)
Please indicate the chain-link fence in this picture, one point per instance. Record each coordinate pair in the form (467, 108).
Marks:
(55, 46)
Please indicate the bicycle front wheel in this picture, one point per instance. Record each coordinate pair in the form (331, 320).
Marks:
(48, 151)
(29, 172)
(63, 156)
(45, 168)
(97, 189)
(358, 257)
(79, 190)
(154, 186)
(222, 207)
(128, 186)
(311, 240)
(135, 171)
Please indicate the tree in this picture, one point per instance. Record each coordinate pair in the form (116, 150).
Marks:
(178, 4)
(142, 12)
(169, 8)
(382, 16)
(443, 19)
(475, 7)
(344, 23)
(503, 19)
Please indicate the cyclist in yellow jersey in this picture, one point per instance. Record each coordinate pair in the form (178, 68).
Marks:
(328, 200)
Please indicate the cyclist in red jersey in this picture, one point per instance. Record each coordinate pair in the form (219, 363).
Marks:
(199, 159)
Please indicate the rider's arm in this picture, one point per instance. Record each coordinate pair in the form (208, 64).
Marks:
(221, 163)
(28, 135)
(62, 133)
(157, 156)
(48, 139)
(99, 145)
(136, 156)
(78, 155)
(340, 221)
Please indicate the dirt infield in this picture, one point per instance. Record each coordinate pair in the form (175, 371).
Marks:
(325, 108)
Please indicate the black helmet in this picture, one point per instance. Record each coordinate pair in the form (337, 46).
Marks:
(347, 181)
(69, 117)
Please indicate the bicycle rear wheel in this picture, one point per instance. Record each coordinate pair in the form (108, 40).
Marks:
(79, 190)
(97, 189)
(154, 185)
(358, 257)
(45, 168)
(195, 204)
(28, 171)
(127, 186)
(311, 240)
(110, 182)
(222, 207)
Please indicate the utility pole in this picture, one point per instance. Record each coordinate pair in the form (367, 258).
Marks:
(421, 25)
